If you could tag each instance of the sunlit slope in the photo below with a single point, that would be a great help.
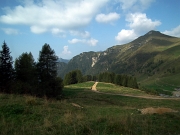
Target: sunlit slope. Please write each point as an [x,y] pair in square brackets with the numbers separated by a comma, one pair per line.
[153,55]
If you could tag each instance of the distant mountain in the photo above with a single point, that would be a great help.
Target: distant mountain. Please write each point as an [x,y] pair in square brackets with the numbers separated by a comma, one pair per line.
[136,56]
[63,60]
[83,61]
[153,54]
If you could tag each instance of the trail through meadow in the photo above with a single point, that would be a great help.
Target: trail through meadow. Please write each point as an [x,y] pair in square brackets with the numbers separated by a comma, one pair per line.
[93,88]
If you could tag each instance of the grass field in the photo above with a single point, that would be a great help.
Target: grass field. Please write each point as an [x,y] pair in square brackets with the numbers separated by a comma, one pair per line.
[164,84]
[99,114]
[112,88]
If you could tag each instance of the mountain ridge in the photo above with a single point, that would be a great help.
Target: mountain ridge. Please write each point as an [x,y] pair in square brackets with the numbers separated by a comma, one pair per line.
[145,56]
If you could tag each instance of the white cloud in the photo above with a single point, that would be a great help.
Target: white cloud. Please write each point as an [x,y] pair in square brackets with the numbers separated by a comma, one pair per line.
[138,24]
[10,31]
[91,42]
[38,29]
[124,36]
[135,5]
[107,18]
[174,32]
[75,40]
[83,34]
[47,15]
[66,50]
[127,4]
[57,31]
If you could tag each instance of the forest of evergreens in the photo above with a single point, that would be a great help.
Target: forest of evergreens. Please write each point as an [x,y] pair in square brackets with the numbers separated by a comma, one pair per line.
[76,76]
[30,77]
[40,78]
[118,79]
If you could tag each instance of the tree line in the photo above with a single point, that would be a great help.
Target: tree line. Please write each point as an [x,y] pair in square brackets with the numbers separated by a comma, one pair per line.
[76,76]
[118,79]
[30,77]
[40,78]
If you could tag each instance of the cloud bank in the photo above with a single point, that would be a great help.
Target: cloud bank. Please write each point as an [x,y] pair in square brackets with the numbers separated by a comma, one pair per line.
[135,5]
[107,18]
[174,32]
[91,42]
[10,31]
[138,24]
[53,15]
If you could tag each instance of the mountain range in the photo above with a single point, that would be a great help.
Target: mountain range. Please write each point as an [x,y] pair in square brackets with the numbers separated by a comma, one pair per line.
[63,60]
[153,55]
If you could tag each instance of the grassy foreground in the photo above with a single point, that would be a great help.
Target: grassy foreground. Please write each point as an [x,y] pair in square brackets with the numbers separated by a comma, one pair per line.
[99,114]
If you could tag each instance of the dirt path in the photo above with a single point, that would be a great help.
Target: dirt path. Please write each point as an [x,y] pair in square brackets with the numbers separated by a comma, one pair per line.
[127,95]
[94,87]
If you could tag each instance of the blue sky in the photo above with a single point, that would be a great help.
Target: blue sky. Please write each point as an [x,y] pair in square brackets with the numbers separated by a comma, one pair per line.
[71,27]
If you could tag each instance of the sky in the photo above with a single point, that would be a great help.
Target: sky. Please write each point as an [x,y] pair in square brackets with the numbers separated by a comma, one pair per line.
[71,27]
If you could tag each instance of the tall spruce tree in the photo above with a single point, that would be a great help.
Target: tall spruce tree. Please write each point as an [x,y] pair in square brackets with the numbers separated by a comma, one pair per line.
[50,85]
[25,67]
[46,65]
[6,68]
[26,73]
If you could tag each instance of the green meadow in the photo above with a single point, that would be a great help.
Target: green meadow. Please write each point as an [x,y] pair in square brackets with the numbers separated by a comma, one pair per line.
[95,113]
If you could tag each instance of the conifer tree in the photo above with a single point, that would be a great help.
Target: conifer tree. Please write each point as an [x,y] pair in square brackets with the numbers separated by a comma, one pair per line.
[118,79]
[135,85]
[47,63]
[25,67]
[6,68]
[47,72]
[79,76]
[73,77]
[124,80]
[26,73]
[68,78]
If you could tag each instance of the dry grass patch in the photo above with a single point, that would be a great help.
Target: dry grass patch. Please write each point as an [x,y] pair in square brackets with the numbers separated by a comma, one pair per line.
[30,100]
[68,117]
[76,105]
[159,110]
[47,123]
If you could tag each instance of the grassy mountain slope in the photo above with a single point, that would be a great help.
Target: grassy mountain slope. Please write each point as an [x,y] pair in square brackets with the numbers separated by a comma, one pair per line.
[151,55]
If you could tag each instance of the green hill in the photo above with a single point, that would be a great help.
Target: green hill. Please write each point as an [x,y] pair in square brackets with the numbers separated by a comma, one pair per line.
[153,55]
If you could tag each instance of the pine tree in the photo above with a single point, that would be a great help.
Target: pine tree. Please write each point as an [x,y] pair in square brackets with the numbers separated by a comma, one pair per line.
[25,67]
[79,76]
[47,72]
[73,77]
[124,80]
[68,78]
[118,80]
[47,63]
[135,84]
[26,73]
[6,68]
[130,81]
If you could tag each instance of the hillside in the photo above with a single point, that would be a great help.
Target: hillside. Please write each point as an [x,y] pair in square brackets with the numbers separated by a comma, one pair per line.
[83,61]
[153,54]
